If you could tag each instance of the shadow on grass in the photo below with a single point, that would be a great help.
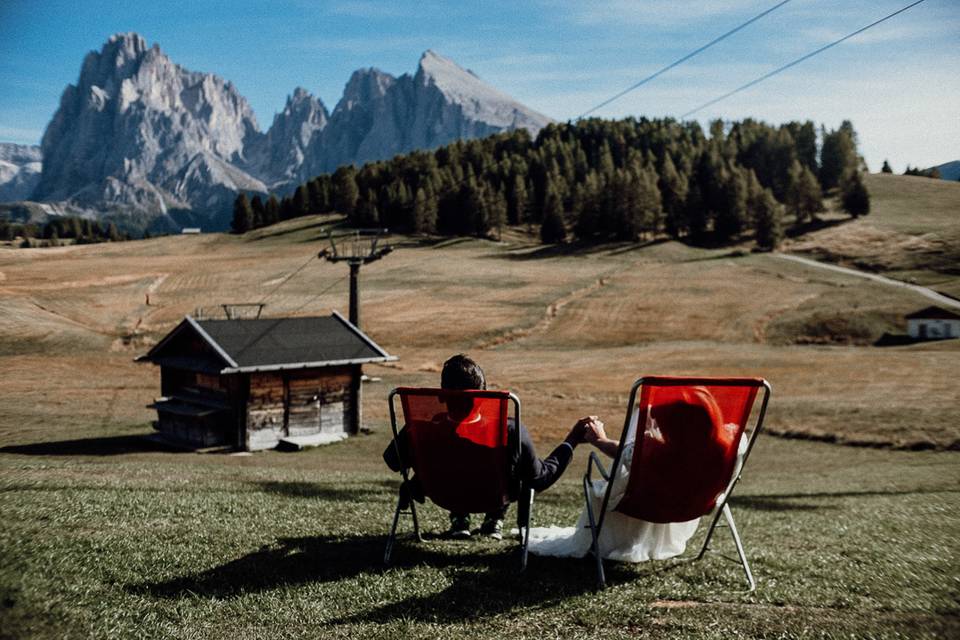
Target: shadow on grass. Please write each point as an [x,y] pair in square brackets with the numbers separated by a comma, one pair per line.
[108,446]
[483,578]
[494,586]
[816,224]
[582,248]
[335,493]
[785,502]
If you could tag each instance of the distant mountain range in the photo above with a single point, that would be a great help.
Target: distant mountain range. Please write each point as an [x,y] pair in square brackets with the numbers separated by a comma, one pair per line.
[20,167]
[142,138]
[949,170]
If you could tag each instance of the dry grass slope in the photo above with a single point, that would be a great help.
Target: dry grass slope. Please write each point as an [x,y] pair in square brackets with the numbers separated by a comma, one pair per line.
[569,331]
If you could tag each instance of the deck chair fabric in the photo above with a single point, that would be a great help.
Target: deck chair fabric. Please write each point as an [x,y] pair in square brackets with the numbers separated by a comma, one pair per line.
[456,447]
[689,438]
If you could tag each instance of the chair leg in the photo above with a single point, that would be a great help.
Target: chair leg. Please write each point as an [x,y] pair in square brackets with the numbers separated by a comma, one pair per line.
[736,539]
[527,498]
[393,533]
[713,526]
[416,524]
[601,578]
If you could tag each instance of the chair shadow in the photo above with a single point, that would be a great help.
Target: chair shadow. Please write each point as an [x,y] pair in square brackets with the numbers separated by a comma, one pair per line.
[482,581]
[106,446]
[492,585]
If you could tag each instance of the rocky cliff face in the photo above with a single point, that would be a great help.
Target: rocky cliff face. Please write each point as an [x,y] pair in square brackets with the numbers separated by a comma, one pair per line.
[380,116]
[140,134]
[278,156]
[20,167]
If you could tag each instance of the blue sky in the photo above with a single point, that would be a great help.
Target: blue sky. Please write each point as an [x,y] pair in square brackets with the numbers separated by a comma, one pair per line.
[899,82]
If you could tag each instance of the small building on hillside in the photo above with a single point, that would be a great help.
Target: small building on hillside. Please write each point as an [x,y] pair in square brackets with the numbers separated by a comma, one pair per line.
[248,383]
[933,323]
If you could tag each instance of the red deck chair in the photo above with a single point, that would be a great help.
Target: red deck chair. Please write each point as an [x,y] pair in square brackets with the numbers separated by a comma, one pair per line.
[688,432]
[457,444]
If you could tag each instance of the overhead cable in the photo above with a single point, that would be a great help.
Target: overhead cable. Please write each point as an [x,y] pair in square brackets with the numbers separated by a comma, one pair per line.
[797,61]
[682,60]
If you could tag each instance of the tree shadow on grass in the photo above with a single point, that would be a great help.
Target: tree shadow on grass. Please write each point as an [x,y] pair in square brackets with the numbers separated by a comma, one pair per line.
[786,501]
[816,224]
[339,492]
[107,446]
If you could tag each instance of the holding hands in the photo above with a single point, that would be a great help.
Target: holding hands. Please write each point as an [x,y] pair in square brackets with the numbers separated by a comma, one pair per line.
[590,429]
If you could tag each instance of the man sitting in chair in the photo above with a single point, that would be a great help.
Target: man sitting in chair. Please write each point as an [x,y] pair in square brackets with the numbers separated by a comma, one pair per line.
[462,373]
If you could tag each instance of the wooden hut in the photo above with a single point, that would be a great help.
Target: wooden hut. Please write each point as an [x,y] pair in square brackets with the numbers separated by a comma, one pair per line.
[248,383]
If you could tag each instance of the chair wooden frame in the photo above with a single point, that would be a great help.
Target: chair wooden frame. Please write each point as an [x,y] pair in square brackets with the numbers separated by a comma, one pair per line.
[596,523]
[524,494]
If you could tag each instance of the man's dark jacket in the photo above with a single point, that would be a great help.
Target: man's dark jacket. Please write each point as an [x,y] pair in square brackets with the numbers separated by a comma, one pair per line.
[535,473]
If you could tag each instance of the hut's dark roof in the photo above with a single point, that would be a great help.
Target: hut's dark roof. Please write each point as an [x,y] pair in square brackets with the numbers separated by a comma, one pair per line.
[277,343]
[933,313]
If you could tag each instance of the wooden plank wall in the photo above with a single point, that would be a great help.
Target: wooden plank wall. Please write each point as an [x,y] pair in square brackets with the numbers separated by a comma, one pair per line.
[265,412]
[302,402]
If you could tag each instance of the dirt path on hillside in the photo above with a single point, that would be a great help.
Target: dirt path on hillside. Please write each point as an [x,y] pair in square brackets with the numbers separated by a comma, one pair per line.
[550,313]
[924,291]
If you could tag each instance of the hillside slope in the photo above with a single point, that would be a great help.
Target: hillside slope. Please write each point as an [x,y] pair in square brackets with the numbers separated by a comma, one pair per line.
[568,331]
[912,233]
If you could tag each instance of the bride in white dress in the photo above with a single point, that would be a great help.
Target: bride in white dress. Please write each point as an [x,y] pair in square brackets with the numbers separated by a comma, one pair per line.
[622,538]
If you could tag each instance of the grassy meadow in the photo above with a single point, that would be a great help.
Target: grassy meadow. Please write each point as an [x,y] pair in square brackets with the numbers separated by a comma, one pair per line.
[105,534]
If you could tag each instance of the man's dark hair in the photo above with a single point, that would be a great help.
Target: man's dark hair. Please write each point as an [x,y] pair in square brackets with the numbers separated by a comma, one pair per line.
[460,372]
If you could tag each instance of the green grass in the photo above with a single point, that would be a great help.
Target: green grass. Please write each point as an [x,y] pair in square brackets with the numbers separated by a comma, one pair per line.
[843,541]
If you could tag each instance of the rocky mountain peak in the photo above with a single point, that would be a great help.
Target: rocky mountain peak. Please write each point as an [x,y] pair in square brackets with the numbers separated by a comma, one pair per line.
[478,100]
[139,134]
[364,87]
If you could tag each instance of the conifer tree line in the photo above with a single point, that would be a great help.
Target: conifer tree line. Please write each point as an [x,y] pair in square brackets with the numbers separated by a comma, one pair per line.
[51,233]
[596,180]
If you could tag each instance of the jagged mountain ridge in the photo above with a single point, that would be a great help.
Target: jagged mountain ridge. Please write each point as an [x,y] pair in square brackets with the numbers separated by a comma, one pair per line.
[20,167]
[141,134]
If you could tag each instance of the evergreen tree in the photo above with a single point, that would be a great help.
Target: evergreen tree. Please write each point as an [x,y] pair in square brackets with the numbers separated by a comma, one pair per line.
[769,227]
[803,193]
[259,213]
[366,212]
[552,229]
[498,211]
[242,214]
[517,201]
[271,211]
[673,191]
[424,212]
[695,211]
[886,167]
[731,216]
[301,202]
[345,190]
[286,209]
[649,202]
[838,156]
[805,139]
[586,223]
[855,199]
[113,234]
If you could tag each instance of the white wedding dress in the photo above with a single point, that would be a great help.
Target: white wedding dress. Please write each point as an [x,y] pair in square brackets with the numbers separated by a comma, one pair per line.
[622,538]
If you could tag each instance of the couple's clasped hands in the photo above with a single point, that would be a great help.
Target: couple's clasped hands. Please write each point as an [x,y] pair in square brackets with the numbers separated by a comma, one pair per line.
[590,429]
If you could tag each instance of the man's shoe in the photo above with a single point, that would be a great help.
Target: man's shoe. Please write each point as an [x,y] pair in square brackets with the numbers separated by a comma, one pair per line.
[492,528]
[459,527]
